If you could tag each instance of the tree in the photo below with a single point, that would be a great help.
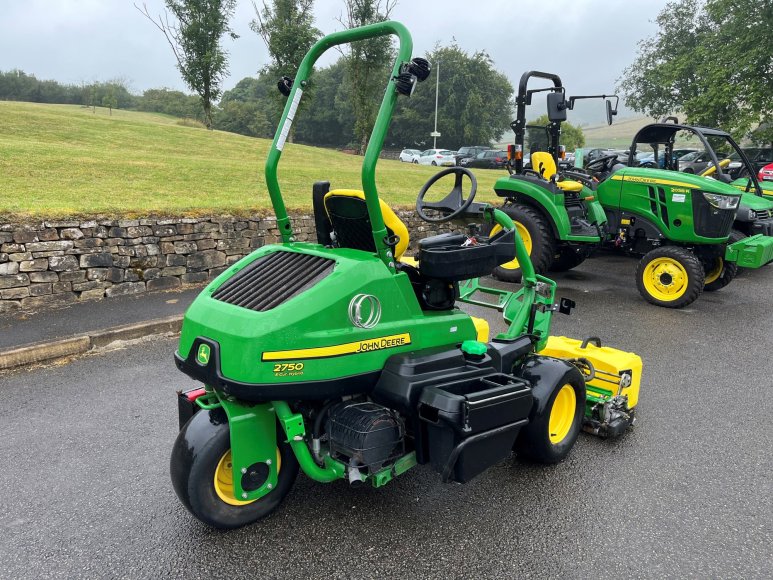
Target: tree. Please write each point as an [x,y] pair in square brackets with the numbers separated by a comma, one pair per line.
[195,37]
[710,61]
[474,103]
[571,137]
[367,64]
[109,100]
[287,28]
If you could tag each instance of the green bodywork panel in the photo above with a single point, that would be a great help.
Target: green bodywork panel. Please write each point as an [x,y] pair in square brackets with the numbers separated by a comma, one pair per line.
[662,197]
[744,184]
[552,204]
[755,202]
[318,318]
[752,252]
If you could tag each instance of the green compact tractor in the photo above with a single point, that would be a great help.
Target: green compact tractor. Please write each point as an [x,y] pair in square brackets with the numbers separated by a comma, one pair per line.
[347,361]
[755,210]
[679,226]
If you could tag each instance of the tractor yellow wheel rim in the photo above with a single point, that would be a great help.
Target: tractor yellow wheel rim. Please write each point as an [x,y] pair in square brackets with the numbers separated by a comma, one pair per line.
[562,414]
[525,237]
[665,279]
[713,275]
[224,479]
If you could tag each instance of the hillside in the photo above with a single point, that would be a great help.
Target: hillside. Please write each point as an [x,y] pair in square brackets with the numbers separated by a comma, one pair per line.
[616,136]
[61,160]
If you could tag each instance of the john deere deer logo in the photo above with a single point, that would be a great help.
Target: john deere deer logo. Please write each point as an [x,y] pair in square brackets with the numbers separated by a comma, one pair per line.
[203,355]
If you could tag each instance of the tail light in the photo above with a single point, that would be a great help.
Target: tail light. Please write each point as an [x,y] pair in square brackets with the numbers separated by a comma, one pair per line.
[562,151]
[438,157]
[518,154]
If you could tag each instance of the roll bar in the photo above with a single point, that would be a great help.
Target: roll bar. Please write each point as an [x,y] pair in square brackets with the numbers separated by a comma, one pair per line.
[377,137]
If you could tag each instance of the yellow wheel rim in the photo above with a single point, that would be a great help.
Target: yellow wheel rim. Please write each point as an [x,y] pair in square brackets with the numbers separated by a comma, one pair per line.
[224,479]
[562,414]
[713,275]
[525,237]
[665,279]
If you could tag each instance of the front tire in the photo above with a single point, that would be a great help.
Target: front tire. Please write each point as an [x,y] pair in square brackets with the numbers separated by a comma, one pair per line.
[670,276]
[720,273]
[201,476]
[535,232]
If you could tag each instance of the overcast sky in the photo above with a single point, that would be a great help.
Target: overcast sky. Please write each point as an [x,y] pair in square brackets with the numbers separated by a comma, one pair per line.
[587,42]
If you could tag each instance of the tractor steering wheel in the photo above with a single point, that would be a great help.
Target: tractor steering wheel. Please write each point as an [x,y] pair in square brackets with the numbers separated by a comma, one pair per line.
[602,164]
[453,204]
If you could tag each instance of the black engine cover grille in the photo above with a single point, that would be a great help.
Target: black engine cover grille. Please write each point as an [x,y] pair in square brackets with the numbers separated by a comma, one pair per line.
[273,279]
[711,222]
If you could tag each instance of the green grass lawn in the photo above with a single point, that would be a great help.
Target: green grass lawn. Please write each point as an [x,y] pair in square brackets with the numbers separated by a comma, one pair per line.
[65,160]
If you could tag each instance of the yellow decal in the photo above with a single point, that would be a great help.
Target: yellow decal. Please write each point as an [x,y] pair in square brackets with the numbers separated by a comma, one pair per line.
[625,222]
[369,345]
[651,180]
[288,369]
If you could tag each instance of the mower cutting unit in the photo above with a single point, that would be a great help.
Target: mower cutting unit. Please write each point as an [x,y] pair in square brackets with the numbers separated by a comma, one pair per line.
[678,225]
[342,360]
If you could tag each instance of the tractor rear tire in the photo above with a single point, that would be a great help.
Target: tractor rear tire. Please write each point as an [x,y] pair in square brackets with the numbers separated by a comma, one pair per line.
[528,222]
[670,276]
[566,258]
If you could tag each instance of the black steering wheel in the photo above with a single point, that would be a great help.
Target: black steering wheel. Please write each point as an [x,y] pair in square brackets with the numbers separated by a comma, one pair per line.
[601,164]
[453,204]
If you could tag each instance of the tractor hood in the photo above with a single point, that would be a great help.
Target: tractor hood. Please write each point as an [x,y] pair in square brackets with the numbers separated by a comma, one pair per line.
[303,320]
[673,179]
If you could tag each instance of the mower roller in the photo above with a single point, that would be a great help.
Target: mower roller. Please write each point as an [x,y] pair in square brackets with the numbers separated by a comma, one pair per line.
[346,360]
[679,226]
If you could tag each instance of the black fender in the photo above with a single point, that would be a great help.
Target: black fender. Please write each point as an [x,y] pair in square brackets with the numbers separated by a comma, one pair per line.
[195,435]
[544,373]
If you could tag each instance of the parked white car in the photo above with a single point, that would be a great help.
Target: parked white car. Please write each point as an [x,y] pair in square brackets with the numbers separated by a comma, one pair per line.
[437,157]
[410,155]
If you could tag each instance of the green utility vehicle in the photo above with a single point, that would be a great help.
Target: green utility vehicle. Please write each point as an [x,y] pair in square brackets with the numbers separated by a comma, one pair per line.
[755,210]
[678,226]
[341,360]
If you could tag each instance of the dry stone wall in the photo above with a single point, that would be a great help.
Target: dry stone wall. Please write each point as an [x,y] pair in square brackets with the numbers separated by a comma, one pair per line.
[56,263]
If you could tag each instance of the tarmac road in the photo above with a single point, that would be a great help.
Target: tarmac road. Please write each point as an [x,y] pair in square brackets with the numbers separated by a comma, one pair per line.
[85,490]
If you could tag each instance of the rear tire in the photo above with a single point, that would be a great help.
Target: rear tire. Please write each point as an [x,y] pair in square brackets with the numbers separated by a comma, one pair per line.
[566,258]
[201,447]
[550,436]
[670,276]
[540,245]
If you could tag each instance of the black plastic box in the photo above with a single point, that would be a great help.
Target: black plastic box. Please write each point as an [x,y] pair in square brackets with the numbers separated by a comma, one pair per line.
[472,424]
[445,257]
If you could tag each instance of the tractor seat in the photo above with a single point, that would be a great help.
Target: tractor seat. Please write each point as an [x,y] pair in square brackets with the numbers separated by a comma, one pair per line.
[544,164]
[348,214]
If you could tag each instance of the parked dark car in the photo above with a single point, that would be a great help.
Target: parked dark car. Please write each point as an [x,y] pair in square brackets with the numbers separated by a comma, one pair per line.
[758,156]
[696,162]
[469,152]
[491,159]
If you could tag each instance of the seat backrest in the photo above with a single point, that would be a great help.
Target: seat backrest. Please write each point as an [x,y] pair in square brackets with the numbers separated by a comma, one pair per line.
[348,214]
[544,164]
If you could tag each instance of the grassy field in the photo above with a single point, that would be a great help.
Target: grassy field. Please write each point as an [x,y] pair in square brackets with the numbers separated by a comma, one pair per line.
[64,160]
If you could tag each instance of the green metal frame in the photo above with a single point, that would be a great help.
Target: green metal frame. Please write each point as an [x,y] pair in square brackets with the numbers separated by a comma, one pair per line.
[377,136]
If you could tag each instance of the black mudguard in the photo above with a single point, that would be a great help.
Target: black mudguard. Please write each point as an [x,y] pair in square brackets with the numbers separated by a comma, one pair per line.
[544,373]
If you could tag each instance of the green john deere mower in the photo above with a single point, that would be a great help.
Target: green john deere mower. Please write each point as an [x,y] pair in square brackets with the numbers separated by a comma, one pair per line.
[349,362]
[677,225]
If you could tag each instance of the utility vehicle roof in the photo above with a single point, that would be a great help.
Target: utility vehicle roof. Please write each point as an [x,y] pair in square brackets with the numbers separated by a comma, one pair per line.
[663,132]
